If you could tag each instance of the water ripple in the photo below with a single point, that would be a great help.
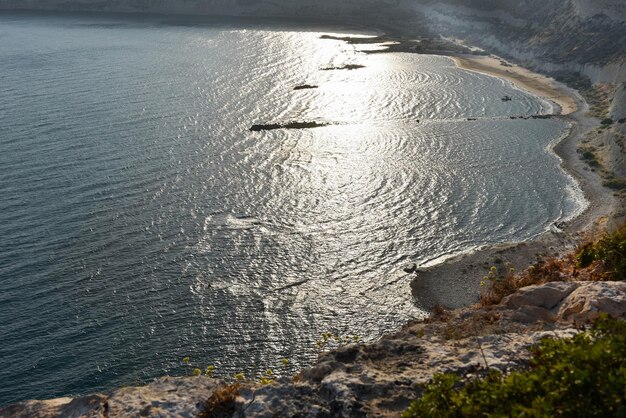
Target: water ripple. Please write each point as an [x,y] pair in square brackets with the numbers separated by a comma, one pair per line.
[142,222]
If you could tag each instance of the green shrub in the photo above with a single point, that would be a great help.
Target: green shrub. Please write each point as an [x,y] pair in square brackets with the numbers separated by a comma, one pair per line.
[615,183]
[588,154]
[580,377]
[585,256]
[606,121]
[610,250]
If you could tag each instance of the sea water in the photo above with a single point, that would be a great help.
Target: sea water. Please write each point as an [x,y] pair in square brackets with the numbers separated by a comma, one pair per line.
[142,222]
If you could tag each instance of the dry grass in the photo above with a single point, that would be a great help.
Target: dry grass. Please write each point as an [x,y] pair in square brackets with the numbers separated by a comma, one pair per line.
[471,322]
[221,404]
[480,322]
[597,259]
[440,313]
[499,285]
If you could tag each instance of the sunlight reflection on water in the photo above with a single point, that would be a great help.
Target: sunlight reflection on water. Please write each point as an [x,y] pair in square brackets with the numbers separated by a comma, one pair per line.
[144,221]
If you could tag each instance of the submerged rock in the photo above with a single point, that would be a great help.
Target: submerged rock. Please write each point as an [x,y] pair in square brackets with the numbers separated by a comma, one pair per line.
[290,125]
[344,67]
[410,268]
[305,87]
[267,127]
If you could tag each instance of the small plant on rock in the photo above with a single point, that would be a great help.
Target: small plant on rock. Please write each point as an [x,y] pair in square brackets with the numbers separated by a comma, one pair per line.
[330,341]
[497,284]
[221,404]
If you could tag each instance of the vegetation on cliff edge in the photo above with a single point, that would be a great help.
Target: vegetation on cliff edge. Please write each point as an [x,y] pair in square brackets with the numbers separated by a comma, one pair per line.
[602,259]
[580,377]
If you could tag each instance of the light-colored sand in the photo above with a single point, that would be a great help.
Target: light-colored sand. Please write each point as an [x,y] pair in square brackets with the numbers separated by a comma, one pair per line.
[523,78]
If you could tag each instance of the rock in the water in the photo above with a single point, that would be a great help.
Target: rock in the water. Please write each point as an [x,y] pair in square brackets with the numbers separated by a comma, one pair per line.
[289,125]
[410,268]
[265,127]
[344,67]
[305,87]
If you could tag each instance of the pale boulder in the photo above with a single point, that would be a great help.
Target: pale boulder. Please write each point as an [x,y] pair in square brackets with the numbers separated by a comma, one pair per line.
[545,296]
[591,299]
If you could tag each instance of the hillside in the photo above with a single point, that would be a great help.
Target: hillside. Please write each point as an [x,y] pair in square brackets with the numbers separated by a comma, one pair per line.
[581,36]
[349,11]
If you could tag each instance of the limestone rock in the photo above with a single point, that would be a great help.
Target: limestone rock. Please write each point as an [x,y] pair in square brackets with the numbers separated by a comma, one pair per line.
[567,301]
[374,379]
[530,314]
[91,406]
[545,296]
[592,298]
[165,397]
[384,377]
[284,399]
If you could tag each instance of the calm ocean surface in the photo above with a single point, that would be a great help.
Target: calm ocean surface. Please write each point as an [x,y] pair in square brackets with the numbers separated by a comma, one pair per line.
[141,222]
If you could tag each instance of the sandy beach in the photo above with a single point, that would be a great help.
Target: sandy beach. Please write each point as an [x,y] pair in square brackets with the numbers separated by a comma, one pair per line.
[432,285]
[522,78]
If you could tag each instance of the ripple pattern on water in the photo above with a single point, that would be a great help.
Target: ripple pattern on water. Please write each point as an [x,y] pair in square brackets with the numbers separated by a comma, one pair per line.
[141,222]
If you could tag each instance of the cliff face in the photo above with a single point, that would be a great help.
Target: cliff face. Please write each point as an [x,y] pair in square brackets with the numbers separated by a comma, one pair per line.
[583,36]
[379,379]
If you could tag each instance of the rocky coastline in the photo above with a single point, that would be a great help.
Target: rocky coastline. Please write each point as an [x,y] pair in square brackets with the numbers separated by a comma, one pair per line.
[382,378]
[379,379]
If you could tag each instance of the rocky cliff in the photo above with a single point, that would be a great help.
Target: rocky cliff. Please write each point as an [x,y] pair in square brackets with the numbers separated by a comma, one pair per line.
[551,35]
[379,379]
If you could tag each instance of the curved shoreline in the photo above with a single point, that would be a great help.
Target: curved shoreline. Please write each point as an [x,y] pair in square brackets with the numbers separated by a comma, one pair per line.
[523,78]
[463,272]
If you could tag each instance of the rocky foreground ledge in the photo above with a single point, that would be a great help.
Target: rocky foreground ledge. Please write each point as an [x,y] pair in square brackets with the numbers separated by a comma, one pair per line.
[379,379]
